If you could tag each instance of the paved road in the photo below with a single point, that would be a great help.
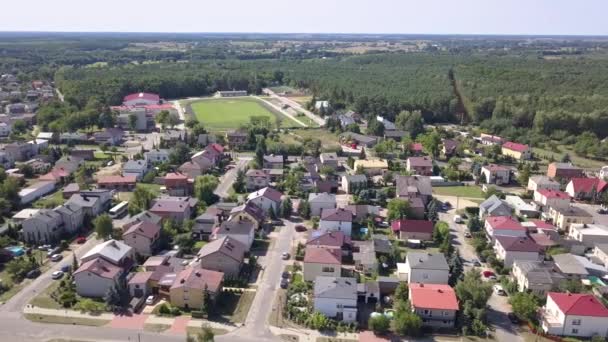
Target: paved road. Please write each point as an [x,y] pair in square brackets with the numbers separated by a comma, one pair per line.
[229,177]
[282,111]
[18,301]
[256,324]
[319,120]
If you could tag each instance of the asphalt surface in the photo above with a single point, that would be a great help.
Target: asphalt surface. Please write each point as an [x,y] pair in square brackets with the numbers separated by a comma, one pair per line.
[319,120]
[230,176]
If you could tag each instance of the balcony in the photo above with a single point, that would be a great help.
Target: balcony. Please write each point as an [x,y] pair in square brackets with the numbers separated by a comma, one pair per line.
[550,323]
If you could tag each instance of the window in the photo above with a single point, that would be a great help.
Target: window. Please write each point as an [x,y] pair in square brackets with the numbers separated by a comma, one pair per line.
[425,276]
[575,331]
[445,313]
[576,322]
[328,269]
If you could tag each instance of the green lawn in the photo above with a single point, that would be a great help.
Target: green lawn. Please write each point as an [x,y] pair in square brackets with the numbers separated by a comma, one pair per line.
[585,163]
[66,320]
[51,201]
[227,114]
[462,191]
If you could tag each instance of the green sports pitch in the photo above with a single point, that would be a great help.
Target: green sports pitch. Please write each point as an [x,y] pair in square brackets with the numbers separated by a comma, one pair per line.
[230,113]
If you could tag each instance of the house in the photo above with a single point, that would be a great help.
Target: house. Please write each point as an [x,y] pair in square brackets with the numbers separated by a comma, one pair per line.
[204,224]
[428,268]
[249,212]
[564,217]
[140,119]
[320,201]
[600,251]
[56,175]
[144,216]
[188,289]
[256,179]
[191,169]
[414,187]
[538,277]
[240,230]
[5,129]
[496,174]
[142,237]
[436,304]
[92,202]
[574,314]
[336,220]
[223,255]
[73,137]
[19,151]
[336,297]
[95,277]
[141,99]
[118,183]
[266,199]
[321,261]
[331,240]
[422,166]
[275,175]
[504,226]
[328,185]
[350,138]
[586,188]
[570,266]
[510,248]
[319,105]
[273,162]
[115,252]
[174,208]
[362,212]
[371,167]
[516,151]
[588,234]
[24,214]
[388,125]
[35,191]
[413,229]
[552,198]
[205,160]
[236,139]
[43,227]
[494,206]
[137,168]
[536,183]
[139,284]
[345,120]
[231,93]
[157,156]
[416,149]
[364,256]
[564,171]
[72,217]
[204,139]
[38,165]
[521,207]
[449,147]
[109,136]
[178,184]
[329,160]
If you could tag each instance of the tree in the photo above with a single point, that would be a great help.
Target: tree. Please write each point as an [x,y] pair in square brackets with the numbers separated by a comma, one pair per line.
[141,200]
[74,263]
[379,324]
[304,209]
[350,162]
[472,288]
[207,335]
[162,118]
[524,305]
[133,122]
[26,170]
[19,127]
[456,268]
[524,175]
[407,323]
[402,291]
[239,183]
[410,122]
[361,155]
[185,242]
[375,127]
[204,187]
[441,231]
[398,209]
[431,142]
[433,211]
[103,226]
[474,224]
[286,208]
[570,285]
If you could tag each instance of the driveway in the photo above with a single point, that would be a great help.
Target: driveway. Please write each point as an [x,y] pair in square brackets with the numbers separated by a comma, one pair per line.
[229,177]
[319,120]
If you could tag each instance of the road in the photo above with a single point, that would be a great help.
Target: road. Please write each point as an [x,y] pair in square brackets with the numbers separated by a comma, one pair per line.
[19,300]
[229,177]
[181,114]
[319,120]
[282,111]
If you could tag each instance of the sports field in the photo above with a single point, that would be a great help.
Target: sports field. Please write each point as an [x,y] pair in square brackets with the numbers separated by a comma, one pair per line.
[227,114]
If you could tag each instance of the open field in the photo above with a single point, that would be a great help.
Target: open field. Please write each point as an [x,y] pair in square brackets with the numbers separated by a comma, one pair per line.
[462,191]
[226,114]
[328,139]
[585,163]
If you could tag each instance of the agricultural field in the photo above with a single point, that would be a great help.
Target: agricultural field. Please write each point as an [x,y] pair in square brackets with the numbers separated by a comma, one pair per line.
[227,114]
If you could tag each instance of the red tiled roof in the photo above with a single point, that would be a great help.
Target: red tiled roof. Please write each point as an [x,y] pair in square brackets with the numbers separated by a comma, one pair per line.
[140,277]
[170,204]
[578,304]
[176,176]
[553,193]
[330,239]
[504,223]
[322,255]
[433,296]
[55,174]
[414,226]
[416,147]
[494,167]
[588,184]
[339,214]
[143,96]
[99,267]
[517,244]
[515,146]
[116,179]
[198,278]
[144,228]
[217,147]
[420,161]
[540,224]
[542,240]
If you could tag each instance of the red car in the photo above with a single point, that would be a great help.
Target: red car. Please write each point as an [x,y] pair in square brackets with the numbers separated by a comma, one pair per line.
[488,275]
[81,239]
[300,228]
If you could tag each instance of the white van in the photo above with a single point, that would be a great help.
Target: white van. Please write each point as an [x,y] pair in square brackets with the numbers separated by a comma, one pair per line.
[457,219]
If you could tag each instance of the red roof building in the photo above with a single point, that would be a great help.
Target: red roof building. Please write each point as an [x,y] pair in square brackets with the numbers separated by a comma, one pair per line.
[416,148]
[323,255]
[515,146]
[413,229]
[585,188]
[578,304]
[436,304]
[553,193]
[504,225]
[120,183]
[330,239]
[141,99]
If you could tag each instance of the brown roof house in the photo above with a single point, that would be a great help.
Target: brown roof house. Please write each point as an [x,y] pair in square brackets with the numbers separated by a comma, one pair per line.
[322,262]
[223,255]
[339,219]
[422,166]
[565,171]
[174,208]
[414,186]
[266,198]
[249,212]
[331,240]
[143,237]
[95,277]
[188,289]
[413,229]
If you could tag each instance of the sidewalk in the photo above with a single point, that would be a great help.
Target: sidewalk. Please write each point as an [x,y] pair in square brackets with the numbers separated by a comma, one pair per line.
[307,335]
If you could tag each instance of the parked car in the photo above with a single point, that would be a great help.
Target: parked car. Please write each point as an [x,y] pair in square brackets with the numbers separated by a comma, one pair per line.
[53,251]
[81,239]
[489,275]
[33,273]
[56,257]
[66,268]
[57,275]
[284,283]
[467,234]
[476,263]
[499,290]
[285,256]
[285,275]
[150,300]
[110,163]
[513,318]
[457,219]
[300,228]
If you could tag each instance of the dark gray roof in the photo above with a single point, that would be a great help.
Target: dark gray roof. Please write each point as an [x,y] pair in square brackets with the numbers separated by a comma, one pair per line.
[422,184]
[495,206]
[429,261]
[237,227]
[321,197]
[356,178]
[568,264]
[335,287]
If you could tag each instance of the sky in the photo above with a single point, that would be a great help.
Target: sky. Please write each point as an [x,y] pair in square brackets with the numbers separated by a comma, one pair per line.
[530,17]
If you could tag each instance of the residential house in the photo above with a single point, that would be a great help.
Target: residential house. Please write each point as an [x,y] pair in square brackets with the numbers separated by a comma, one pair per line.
[320,201]
[43,227]
[413,229]
[388,125]
[536,183]
[141,99]
[336,297]
[336,220]
[396,135]
[266,199]
[417,208]
[109,136]
[504,226]
[240,230]
[331,240]
[157,156]
[449,147]
[139,284]
[416,149]
[249,212]
[5,129]
[95,277]
[188,290]
[521,207]
[223,255]
[171,137]
[510,248]
[345,120]
[72,217]
[113,251]
[600,251]
[570,266]
[355,139]
[118,183]
[19,151]
[322,261]
[574,314]
[428,268]
[361,212]
[93,202]
[177,209]
[73,137]
[494,206]
[142,237]
[256,179]
[24,214]
[204,224]
[364,256]
[496,174]
[273,162]
[538,277]
[414,187]
[436,304]
[56,175]
[191,169]
[205,159]
[588,234]
[516,151]
[178,184]
[371,167]
[144,216]
[236,139]
[329,160]
[586,188]
[35,191]
[564,217]
[422,166]
[124,117]
[137,168]
[552,198]
[564,171]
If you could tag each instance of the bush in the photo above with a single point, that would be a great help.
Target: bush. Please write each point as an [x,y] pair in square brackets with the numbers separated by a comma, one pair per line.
[198,314]
[379,324]
[164,310]
[175,311]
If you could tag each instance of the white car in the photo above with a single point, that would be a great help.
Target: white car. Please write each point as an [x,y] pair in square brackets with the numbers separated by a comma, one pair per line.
[499,290]
[56,257]
[150,300]
[57,275]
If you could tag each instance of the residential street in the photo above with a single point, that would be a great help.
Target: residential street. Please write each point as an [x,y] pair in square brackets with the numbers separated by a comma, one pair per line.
[229,177]
[319,120]
[284,112]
